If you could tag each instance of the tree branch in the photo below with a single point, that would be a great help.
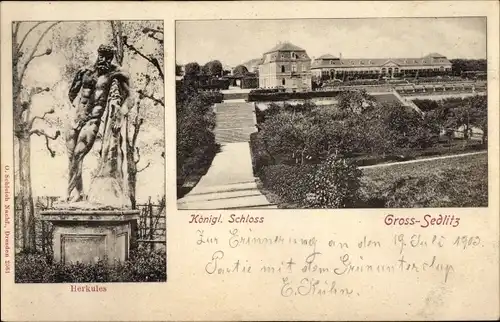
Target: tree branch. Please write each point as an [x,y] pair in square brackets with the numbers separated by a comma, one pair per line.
[151,97]
[51,111]
[47,137]
[150,59]
[153,30]
[32,55]
[29,31]
[147,165]
[15,27]
[137,126]
[26,104]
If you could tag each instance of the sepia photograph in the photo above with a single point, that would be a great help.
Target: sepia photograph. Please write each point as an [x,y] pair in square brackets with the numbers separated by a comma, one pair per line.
[89,142]
[332,113]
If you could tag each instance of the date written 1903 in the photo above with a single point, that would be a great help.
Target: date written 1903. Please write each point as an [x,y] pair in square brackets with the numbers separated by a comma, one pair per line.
[314,287]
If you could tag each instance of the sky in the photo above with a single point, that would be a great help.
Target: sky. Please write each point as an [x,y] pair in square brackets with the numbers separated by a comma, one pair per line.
[237,41]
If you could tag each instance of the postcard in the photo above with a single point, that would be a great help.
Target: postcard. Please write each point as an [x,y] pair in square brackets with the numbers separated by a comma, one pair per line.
[226,161]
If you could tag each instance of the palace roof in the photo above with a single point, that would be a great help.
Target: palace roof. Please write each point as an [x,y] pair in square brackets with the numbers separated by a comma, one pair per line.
[380,62]
[327,56]
[285,46]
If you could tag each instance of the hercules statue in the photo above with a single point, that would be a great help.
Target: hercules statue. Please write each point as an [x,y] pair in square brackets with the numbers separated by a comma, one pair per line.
[94,86]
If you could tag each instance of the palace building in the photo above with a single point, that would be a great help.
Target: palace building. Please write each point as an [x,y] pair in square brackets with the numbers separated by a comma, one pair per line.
[285,65]
[331,67]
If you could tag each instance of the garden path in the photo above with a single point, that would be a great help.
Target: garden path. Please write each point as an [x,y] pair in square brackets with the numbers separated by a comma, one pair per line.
[229,182]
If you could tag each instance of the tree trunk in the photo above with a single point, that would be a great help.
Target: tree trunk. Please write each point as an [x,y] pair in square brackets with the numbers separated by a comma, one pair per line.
[131,168]
[27,215]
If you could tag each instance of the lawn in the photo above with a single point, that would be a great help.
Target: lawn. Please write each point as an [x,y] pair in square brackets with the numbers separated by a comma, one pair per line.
[453,182]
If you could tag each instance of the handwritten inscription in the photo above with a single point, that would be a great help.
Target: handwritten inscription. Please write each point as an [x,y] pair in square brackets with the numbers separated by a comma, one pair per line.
[320,267]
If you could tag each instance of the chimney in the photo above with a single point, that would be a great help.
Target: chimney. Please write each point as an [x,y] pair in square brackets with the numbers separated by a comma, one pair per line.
[340,55]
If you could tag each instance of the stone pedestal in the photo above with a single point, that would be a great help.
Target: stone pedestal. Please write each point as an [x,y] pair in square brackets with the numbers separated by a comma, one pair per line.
[87,236]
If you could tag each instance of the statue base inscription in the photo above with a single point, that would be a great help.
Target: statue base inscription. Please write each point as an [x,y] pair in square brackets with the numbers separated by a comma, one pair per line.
[88,236]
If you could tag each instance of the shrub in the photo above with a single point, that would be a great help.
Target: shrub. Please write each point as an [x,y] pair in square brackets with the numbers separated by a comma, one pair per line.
[290,183]
[334,184]
[249,82]
[142,266]
[331,184]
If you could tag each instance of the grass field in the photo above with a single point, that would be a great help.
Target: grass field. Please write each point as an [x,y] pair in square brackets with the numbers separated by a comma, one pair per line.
[454,182]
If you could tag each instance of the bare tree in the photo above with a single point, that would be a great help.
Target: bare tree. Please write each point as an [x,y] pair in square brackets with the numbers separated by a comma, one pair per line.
[22,58]
[133,124]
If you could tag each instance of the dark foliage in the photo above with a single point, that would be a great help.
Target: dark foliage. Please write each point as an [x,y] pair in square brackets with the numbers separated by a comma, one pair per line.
[143,266]
[196,145]
[334,183]
[249,82]
[459,66]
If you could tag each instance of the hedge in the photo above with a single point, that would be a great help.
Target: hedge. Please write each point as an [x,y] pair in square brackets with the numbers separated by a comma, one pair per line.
[260,156]
[249,82]
[214,97]
[283,96]
[266,90]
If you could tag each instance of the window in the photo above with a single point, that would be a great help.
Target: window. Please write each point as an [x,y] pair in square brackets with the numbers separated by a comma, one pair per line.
[361,62]
[282,56]
[294,56]
[294,68]
[283,81]
[282,68]
[304,68]
[331,62]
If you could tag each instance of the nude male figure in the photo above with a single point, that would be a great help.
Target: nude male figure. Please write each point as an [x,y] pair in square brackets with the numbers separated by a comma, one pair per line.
[94,84]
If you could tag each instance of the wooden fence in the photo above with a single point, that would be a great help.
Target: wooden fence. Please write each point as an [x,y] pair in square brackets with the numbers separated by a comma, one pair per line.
[151,227]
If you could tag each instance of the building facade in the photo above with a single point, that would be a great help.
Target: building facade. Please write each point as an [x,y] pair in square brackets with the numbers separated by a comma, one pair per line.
[331,67]
[287,66]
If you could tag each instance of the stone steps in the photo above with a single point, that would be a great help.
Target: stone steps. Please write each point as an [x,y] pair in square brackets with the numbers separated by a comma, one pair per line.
[233,135]
[228,184]
[235,122]
[239,186]
[252,201]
